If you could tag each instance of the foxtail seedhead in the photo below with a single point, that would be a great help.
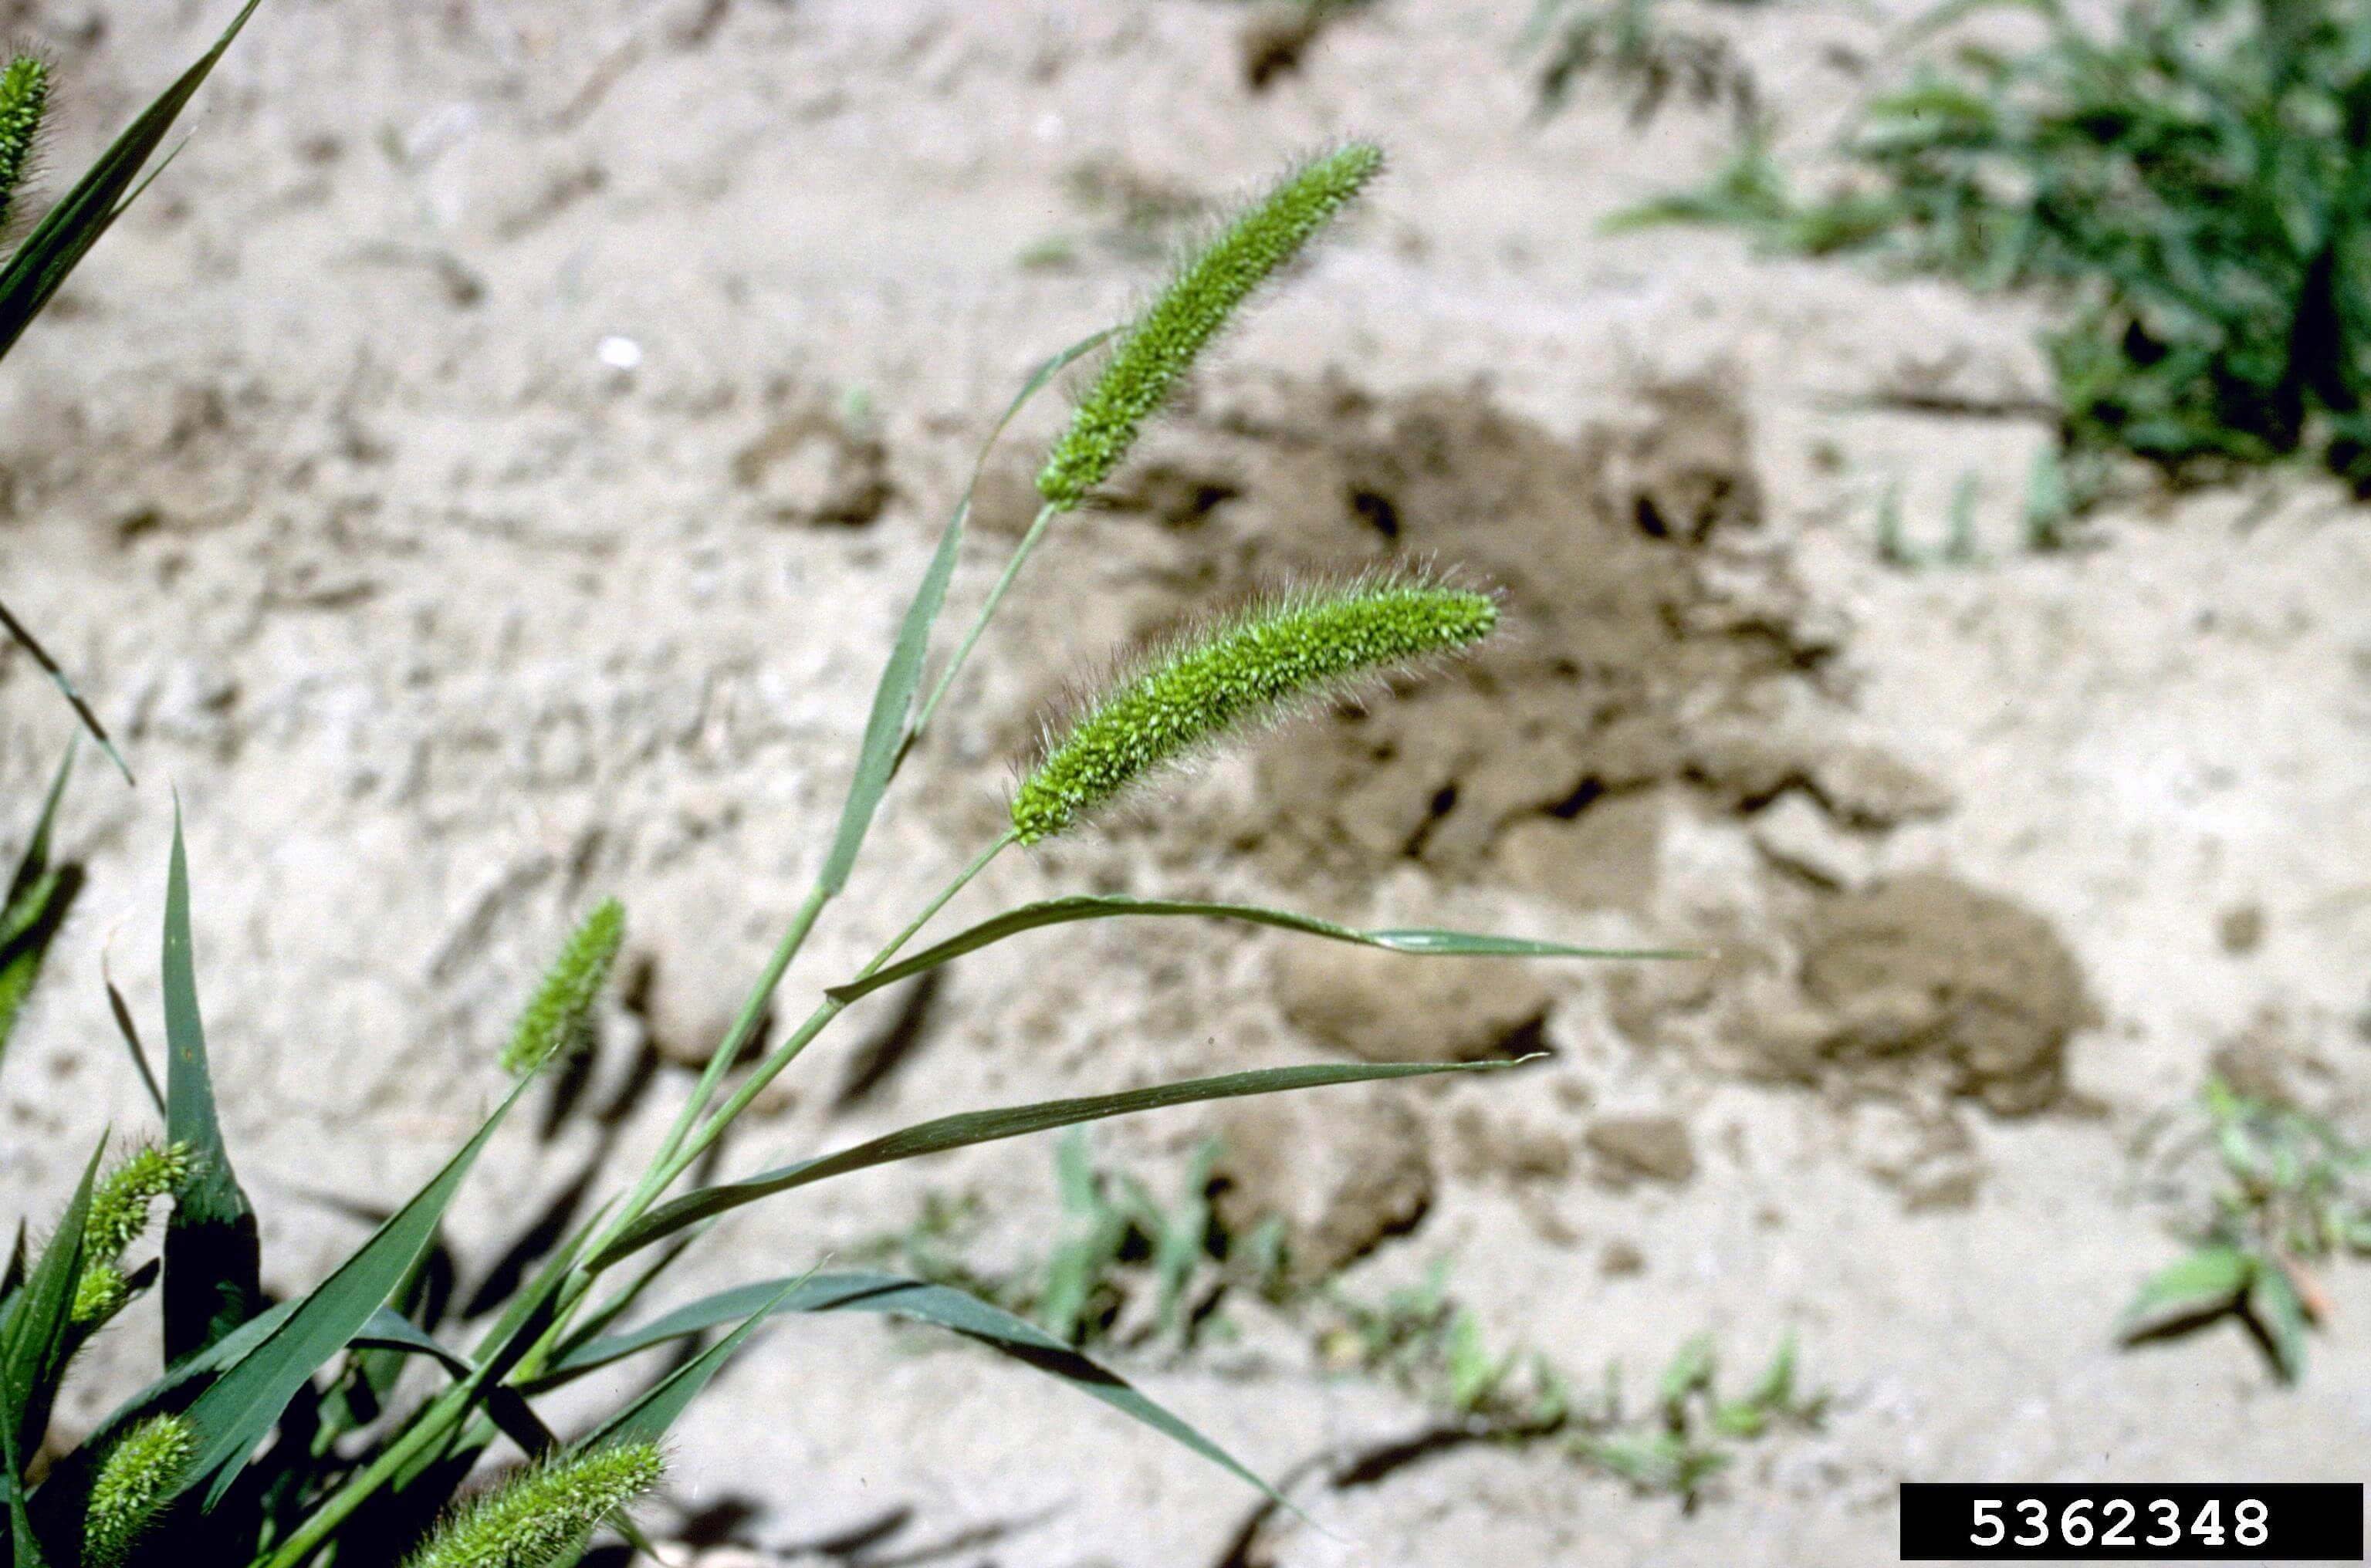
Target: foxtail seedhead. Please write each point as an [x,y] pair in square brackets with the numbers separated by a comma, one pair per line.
[120,1201]
[1156,352]
[24,102]
[555,1017]
[543,1515]
[1257,667]
[141,1472]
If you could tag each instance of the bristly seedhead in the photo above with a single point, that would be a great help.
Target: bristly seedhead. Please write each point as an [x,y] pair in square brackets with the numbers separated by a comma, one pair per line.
[120,1201]
[555,1019]
[139,1475]
[543,1515]
[1159,347]
[24,102]
[1257,667]
[99,1293]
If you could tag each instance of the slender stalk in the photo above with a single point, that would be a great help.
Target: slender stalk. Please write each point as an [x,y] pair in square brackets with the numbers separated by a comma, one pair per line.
[433,1423]
[753,1011]
[1020,554]
[788,1052]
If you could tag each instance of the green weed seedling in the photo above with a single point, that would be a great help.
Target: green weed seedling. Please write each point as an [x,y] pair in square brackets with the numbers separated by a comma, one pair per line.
[2190,184]
[1124,1259]
[2294,1193]
[1634,48]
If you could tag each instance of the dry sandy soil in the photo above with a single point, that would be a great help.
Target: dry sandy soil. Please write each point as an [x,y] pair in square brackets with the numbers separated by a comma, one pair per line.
[441,620]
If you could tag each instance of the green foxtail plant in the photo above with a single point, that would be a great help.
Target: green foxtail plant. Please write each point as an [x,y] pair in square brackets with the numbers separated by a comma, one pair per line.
[296,1436]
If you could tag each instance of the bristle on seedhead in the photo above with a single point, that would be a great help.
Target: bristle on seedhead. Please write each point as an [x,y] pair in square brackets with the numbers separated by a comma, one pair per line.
[543,1515]
[24,105]
[1256,667]
[142,1470]
[1157,350]
[555,1019]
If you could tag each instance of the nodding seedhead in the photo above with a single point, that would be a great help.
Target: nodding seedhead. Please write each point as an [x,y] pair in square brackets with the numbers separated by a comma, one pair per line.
[1257,667]
[1160,346]
[119,1205]
[543,1515]
[141,1472]
[555,1017]
[24,103]
[120,1201]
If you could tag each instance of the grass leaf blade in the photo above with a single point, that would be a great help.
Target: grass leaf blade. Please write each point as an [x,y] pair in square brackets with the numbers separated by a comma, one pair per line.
[895,1296]
[212,1260]
[233,1415]
[893,699]
[51,668]
[1096,906]
[648,1418]
[64,237]
[41,1318]
[987,1126]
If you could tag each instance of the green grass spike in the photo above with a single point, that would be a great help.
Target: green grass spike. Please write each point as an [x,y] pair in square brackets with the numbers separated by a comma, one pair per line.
[139,1475]
[544,1515]
[24,103]
[1259,667]
[120,1201]
[1157,351]
[555,1019]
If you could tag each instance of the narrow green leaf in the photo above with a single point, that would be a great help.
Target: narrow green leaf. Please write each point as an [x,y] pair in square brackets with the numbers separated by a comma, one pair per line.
[27,926]
[213,1262]
[36,1338]
[64,237]
[893,699]
[26,1553]
[894,1296]
[2276,1309]
[2208,1281]
[233,1415]
[34,864]
[128,1032]
[1776,1388]
[647,1419]
[986,1126]
[51,668]
[388,1329]
[1085,906]
[39,897]
[1690,1368]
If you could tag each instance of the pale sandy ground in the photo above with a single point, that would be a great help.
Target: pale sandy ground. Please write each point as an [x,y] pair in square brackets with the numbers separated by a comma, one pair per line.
[439,626]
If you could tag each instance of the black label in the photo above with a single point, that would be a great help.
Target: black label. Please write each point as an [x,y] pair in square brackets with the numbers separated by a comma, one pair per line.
[2278,1521]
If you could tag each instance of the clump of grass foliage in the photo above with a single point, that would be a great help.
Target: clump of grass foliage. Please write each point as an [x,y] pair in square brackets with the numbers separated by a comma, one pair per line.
[1129,1270]
[2190,183]
[1635,48]
[277,1434]
[2294,1193]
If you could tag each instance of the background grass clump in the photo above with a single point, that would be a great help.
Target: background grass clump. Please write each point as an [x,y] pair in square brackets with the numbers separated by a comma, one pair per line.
[2190,184]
